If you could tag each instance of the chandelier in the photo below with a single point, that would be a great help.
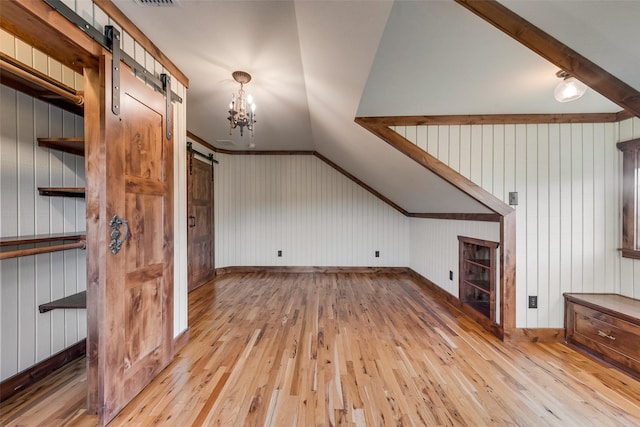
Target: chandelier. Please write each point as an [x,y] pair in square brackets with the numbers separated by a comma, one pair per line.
[239,114]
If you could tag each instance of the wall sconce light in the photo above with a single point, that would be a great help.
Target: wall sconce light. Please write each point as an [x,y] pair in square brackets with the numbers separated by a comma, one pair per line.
[569,89]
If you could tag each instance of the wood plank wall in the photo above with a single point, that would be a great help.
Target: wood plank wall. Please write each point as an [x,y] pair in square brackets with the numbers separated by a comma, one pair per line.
[26,282]
[568,178]
[304,207]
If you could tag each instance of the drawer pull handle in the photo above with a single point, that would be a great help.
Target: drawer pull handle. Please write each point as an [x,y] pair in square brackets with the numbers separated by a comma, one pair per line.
[605,335]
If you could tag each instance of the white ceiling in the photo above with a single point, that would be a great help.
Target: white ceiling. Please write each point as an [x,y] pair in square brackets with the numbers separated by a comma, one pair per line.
[318,64]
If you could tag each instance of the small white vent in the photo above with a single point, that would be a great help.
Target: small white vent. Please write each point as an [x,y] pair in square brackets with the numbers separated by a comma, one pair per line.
[226,142]
[159,3]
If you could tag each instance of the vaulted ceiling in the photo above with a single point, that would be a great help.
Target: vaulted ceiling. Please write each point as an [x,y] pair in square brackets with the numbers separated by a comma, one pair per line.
[316,65]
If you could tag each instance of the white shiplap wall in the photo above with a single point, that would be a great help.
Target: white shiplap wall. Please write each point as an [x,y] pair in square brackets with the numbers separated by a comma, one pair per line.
[568,218]
[27,336]
[307,209]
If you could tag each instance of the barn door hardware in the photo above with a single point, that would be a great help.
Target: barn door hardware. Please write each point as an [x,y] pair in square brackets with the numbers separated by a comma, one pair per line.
[116,243]
[112,36]
[166,86]
[192,151]
[192,221]
[108,41]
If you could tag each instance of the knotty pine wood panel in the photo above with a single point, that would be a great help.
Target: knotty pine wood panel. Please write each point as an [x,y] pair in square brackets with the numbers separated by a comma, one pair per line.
[28,336]
[347,349]
[567,220]
[304,207]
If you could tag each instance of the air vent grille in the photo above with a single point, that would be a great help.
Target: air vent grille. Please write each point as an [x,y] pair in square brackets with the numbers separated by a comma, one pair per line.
[159,3]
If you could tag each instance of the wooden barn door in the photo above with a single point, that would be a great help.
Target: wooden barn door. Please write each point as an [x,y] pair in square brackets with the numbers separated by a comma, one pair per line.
[130,286]
[200,226]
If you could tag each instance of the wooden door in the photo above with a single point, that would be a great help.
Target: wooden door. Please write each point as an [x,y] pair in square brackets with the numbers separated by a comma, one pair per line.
[129,293]
[200,224]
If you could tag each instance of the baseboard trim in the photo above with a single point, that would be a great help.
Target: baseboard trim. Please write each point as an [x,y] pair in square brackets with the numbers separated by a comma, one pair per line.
[29,376]
[180,341]
[454,302]
[522,335]
[308,269]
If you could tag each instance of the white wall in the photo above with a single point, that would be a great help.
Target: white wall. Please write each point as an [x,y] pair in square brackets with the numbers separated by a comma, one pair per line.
[568,218]
[307,209]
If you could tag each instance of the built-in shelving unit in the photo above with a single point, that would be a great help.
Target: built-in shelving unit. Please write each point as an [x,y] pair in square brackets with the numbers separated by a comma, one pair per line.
[478,275]
[32,82]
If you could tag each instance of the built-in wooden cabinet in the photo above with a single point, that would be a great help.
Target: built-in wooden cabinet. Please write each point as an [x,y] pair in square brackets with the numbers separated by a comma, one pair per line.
[477,273]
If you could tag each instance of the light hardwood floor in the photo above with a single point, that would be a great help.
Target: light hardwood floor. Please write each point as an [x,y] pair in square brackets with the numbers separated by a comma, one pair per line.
[346,349]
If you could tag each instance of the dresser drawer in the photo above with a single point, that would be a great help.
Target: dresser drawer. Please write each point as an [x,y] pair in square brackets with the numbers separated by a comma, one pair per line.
[603,333]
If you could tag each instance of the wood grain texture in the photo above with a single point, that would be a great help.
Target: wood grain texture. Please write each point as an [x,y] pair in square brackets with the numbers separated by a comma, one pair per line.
[347,349]
[200,224]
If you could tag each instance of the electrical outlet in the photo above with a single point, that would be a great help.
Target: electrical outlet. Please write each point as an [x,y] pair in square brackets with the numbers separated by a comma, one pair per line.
[279,253]
[513,198]
[450,275]
[377,254]
[533,301]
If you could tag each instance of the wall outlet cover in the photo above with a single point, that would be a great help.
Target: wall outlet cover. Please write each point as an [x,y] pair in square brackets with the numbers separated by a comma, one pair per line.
[533,301]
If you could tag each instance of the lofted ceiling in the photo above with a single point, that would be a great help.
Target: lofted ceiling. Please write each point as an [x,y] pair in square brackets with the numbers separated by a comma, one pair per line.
[317,64]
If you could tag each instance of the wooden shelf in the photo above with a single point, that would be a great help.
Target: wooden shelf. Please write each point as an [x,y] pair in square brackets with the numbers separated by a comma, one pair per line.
[25,79]
[67,145]
[78,300]
[484,263]
[481,285]
[62,191]
[40,238]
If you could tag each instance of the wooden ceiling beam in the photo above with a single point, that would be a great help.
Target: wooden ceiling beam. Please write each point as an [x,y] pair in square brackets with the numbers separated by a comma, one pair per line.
[556,52]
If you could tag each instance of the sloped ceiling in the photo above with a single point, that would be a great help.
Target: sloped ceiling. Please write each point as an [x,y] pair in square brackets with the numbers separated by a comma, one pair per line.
[316,65]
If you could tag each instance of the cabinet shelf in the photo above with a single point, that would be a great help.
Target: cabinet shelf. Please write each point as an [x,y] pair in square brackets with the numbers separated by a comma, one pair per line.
[483,263]
[67,145]
[481,285]
[78,300]
[62,191]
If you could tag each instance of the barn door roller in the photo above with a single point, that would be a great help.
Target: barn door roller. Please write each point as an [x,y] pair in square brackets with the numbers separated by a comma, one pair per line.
[192,151]
[111,41]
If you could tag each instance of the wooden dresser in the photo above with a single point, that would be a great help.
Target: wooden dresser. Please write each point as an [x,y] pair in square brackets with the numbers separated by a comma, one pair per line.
[607,326]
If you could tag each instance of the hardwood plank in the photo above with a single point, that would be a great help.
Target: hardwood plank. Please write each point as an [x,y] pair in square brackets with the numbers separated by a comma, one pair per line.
[348,349]
[67,145]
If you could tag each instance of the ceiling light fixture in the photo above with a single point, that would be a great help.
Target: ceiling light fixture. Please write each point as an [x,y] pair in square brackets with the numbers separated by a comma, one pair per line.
[239,115]
[569,89]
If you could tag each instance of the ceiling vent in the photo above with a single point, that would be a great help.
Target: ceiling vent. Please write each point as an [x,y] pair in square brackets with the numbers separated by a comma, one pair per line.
[159,3]
[226,142]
